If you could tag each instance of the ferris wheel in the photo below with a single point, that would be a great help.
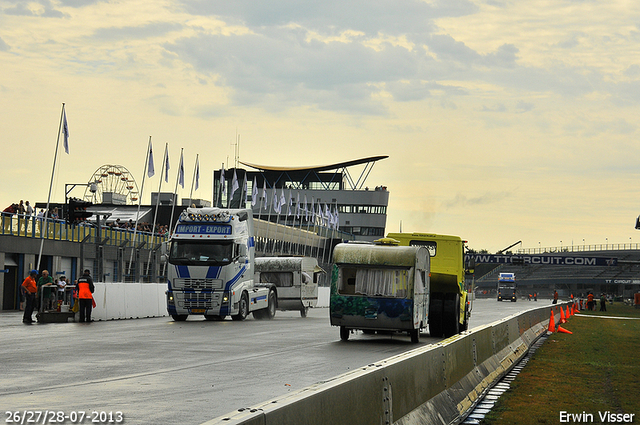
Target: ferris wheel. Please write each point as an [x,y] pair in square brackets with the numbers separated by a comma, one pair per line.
[112,184]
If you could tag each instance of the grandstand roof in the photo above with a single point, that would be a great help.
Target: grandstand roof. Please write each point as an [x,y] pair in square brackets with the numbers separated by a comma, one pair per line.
[317,167]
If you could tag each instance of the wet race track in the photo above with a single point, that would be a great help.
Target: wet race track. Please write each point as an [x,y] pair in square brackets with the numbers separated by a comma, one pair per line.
[160,371]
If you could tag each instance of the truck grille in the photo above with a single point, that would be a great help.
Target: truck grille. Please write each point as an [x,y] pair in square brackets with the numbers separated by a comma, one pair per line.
[198,301]
[197,284]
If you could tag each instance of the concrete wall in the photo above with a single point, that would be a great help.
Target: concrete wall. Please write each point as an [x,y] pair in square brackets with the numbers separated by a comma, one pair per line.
[436,384]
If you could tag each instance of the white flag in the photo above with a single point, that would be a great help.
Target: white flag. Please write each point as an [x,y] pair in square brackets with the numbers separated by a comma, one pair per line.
[181,172]
[234,183]
[65,131]
[283,200]
[264,194]
[298,206]
[254,193]
[166,167]
[312,210]
[246,191]
[222,178]
[306,210]
[275,203]
[289,204]
[150,168]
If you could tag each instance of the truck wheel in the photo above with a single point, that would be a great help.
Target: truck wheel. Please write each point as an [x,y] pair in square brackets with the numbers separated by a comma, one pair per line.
[435,314]
[270,311]
[451,315]
[243,308]
[344,333]
[304,311]
[415,335]
[179,317]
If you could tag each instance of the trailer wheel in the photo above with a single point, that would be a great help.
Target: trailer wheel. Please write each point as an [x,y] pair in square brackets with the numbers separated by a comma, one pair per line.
[415,335]
[304,311]
[435,314]
[179,317]
[451,315]
[244,308]
[344,333]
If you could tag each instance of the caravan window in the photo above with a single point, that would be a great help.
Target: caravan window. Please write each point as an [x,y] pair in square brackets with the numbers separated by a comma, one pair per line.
[280,279]
[374,282]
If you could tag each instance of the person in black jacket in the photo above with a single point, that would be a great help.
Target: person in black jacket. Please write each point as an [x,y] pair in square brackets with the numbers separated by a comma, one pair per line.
[85,296]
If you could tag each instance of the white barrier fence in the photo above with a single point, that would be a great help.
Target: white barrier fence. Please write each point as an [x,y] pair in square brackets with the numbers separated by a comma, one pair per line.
[129,300]
[137,300]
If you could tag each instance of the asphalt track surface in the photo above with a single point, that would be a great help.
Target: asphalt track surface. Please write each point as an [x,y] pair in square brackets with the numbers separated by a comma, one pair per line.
[157,371]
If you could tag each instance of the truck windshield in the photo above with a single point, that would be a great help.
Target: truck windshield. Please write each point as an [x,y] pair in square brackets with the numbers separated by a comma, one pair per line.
[201,253]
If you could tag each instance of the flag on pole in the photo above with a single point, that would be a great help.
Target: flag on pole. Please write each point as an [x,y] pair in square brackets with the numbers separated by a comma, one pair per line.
[234,183]
[197,173]
[246,191]
[222,181]
[275,203]
[289,204]
[283,200]
[166,167]
[181,172]
[298,206]
[150,168]
[306,210]
[264,194]
[254,193]
[312,211]
[65,131]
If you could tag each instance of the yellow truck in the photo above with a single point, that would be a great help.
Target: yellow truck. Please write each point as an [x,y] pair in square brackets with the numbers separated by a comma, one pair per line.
[449,297]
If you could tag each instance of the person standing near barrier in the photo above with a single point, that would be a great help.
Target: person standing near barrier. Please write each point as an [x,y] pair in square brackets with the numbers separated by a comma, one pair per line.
[30,289]
[85,296]
[555,297]
[603,302]
[590,301]
[45,291]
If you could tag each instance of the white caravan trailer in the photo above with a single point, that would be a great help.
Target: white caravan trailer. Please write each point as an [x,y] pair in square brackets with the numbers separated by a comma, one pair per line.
[295,279]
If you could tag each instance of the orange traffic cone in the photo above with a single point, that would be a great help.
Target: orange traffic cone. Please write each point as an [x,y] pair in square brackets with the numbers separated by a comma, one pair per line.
[568,312]
[562,319]
[552,323]
[574,309]
[564,331]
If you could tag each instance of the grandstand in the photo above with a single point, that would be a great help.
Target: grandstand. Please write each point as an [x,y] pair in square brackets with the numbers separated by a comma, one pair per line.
[620,279]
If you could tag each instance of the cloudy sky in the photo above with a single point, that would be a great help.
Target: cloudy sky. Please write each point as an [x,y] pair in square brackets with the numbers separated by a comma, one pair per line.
[503,120]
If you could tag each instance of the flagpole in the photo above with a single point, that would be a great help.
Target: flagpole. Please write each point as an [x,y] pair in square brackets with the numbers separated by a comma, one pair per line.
[135,227]
[192,181]
[55,158]
[175,190]
[155,215]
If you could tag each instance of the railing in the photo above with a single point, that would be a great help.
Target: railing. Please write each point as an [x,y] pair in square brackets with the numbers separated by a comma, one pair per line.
[580,248]
[48,228]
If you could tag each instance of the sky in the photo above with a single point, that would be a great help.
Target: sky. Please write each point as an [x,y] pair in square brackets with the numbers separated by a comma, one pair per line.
[503,121]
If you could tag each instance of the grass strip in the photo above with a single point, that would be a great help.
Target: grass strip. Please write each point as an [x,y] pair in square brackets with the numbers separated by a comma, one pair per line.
[589,373]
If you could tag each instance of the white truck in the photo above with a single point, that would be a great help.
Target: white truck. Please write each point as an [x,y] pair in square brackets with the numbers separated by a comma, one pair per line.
[210,270]
[295,278]
[507,287]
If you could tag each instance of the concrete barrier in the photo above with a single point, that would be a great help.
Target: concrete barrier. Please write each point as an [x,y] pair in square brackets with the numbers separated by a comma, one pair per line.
[436,384]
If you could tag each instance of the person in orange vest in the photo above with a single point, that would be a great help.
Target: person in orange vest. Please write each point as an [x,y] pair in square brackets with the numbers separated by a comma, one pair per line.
[555,297]
[85,296]
[30,289]
[590,301]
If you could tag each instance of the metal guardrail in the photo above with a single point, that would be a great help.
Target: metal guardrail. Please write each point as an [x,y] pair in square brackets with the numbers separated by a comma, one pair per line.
[52,229]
